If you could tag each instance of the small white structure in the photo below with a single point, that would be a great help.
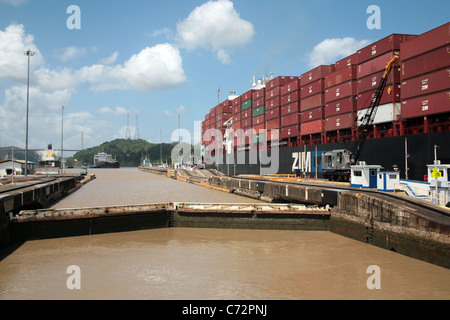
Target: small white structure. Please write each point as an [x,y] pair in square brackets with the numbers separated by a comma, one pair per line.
[439,179]
[6,167]
[388,180]
[364,176]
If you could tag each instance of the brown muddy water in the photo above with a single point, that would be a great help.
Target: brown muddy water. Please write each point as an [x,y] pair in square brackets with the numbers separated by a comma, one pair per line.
[198,264]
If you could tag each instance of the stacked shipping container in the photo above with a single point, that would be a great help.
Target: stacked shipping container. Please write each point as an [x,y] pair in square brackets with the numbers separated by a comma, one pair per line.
[340,98]
[327,99]
[274,109]
[290,109]
[372,61]
[313,99]
[425,74]
[259,114]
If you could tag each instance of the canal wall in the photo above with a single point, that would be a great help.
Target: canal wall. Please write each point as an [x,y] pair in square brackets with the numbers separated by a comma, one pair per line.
[36,193]
[412,228]
[54,223]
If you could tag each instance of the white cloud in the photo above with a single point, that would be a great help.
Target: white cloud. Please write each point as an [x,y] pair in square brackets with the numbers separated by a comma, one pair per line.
[179,111]
[72,53]
[153,69]
[118,111]
[111,59]
[215,26]
[331,50]
[15,3]
[13,64]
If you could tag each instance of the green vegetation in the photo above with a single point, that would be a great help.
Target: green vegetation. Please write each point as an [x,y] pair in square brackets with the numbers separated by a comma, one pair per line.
[130,153]
[19,154]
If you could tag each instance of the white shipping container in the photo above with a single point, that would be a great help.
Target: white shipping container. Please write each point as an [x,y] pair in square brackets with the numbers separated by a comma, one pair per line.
[385,113]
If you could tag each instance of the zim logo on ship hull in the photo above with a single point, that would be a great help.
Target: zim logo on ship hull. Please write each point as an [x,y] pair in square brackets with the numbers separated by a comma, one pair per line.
[307,162]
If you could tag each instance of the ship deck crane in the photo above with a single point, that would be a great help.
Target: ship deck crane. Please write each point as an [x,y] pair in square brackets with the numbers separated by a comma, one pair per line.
[336,163]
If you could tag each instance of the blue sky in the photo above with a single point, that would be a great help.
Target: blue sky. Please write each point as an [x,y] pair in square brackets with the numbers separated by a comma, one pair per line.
[153,60]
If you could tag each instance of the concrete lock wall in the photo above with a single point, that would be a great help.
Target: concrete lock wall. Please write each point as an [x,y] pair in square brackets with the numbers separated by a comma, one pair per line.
[368,218]
[392,227]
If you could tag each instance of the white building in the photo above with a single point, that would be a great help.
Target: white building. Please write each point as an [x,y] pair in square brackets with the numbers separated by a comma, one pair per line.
[388,181]
[6,167]
[364,176]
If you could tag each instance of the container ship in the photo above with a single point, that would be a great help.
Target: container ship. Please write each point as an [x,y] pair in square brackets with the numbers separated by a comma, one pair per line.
[49,162]
[104,160]
[289,122]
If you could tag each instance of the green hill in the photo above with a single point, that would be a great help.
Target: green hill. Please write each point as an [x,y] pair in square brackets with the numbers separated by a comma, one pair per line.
[130,153]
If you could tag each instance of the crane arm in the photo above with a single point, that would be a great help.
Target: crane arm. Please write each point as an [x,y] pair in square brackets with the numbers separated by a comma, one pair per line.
[372,110]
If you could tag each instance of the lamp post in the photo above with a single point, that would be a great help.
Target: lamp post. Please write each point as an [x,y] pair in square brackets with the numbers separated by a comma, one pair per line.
[29,54]
[62,140]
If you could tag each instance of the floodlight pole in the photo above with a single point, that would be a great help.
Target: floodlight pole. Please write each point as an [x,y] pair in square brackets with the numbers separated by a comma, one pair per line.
[29,54]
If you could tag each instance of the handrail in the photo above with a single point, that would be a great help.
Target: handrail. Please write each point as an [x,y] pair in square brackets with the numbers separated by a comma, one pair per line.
[421,193]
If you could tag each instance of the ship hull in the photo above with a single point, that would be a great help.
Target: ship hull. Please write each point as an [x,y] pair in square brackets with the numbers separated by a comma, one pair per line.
[306,160]
[106,165]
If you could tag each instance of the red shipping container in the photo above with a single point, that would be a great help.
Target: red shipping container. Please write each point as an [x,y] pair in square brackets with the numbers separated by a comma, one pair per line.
[237,117]
[346,62]
[312,127]
[427,41]
[313,88]
[294,96]
[248,95]
[428,62]
[312,114]
[259,119]
[376,65]
[237,109]
[290,132]
[339,122]
[426,84]
[272,93]
[256,94]
[372,81]
[341,91]
[279,81]
[290,108]
[340,76]
[312,102]
[273,124]
[317,73]
[236,101]
[390,43]
[346,105]
[273,113]
[291,86]
[258,102]
[236,125]
[365,98]
[259,127]
[426,105]
[225,105]
[290,119]
[273,103]
[246,122]
[246,114]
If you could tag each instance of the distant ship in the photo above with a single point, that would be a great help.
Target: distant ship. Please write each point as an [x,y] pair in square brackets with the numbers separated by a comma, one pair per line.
[104,160]
[49,162]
